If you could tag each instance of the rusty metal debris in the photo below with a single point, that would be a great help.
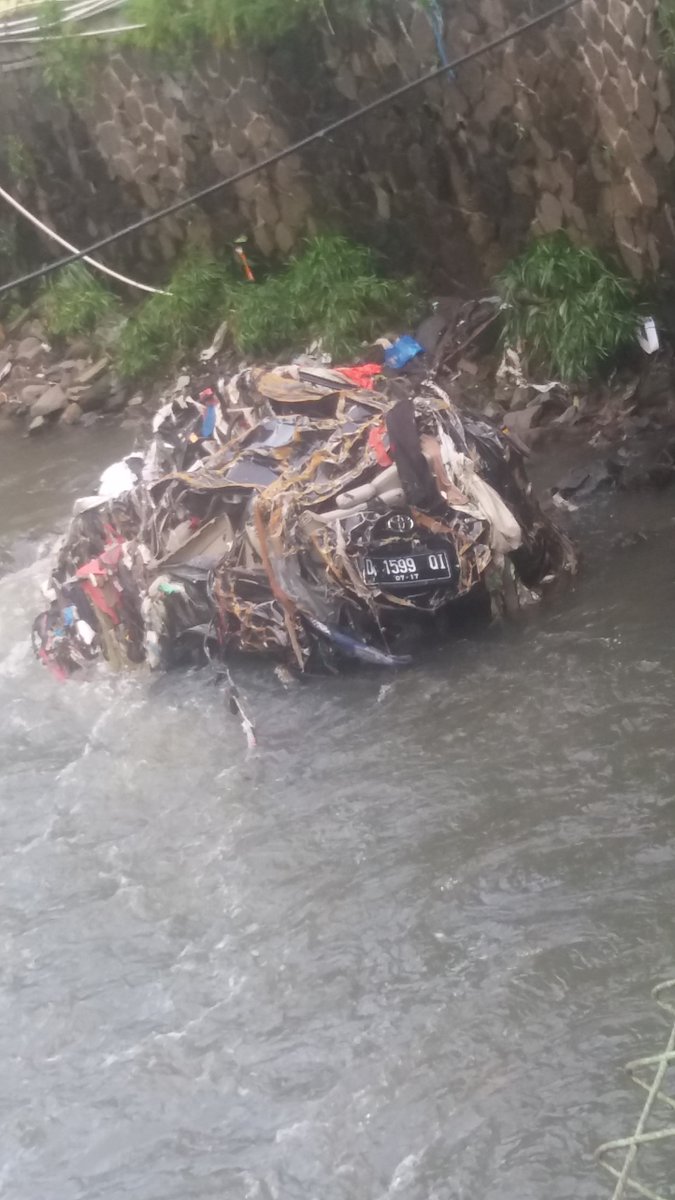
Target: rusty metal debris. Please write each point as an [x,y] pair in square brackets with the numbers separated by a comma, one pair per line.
[299,514]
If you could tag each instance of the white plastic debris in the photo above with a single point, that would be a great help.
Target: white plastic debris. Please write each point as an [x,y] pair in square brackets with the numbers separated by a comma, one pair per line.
[648,336]
[116,480]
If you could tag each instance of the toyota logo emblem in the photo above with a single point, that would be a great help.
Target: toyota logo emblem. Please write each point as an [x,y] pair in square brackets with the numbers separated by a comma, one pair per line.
[399,524]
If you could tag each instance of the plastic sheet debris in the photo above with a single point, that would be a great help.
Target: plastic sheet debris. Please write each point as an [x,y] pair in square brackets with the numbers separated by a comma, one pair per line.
[295,513]
[402,351]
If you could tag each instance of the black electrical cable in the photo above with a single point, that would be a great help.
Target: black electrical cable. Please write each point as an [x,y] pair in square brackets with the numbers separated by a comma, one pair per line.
[382,102]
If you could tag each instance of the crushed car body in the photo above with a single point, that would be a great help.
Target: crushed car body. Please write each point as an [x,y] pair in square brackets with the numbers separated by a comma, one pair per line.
[298,512]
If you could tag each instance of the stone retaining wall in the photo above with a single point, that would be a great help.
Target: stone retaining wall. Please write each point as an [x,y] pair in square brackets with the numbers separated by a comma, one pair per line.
[569,126]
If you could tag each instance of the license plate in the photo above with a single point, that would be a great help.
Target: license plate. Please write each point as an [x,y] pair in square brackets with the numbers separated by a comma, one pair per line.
[430,567]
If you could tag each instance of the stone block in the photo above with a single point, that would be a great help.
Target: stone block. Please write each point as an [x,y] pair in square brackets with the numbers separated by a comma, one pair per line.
[133,109]
[258,132]
[592,20]
[521,181]
[294,207]
[52,401]
[71,414]
[563,171]
[636,26]
[663,92]
[383,52]
[470,81]
[646,107]
[239,143]
[663,141]
[492,12]
[632,58]
[653,252]
[633,259]
[544,147]
[124,168]
[225,161]
[111,86]
[497,97]
[611,94]
[529,69]
[574,214]
[149,195]
[124,71]
[641,139]
[422,36]
[264,239]
[618,12]
[170,179]
[598,165]
[285,238]
[154,117]
[594,60]
[650,72]
[345,83]
[549,212]
[620,200]
[173,137]
[608,123]
[267,212]
[611,60]
[238,111]
[643,185]
[109,139]
[627,86]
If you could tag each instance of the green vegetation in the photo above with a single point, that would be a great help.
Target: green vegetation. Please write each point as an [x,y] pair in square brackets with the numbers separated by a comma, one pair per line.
[665,15]
[19,159]
[65,59]
[332,292]
[570,310]
[75,302]
[183,25]
[167,326]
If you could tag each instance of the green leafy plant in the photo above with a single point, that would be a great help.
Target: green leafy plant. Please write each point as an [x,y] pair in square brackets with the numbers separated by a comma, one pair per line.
[169,325]
[566,307]
[185,24]
[334,292]
[20,161]
[65,58]
[665,15]
[75,302]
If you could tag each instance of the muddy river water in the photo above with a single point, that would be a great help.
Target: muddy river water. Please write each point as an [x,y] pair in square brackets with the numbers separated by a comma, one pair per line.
[402,952]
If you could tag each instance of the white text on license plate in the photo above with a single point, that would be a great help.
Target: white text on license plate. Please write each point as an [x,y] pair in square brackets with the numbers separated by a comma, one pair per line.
[428,567]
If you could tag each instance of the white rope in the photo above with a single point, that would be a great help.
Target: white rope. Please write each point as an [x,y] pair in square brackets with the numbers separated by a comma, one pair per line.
[99,266]
[655,1093]
[34,39]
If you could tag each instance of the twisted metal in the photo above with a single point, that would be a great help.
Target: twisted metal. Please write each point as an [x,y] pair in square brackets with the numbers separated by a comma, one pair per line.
[656,1096]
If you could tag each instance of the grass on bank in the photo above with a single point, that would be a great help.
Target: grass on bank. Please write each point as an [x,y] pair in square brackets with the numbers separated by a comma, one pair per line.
[75,302]
[334,292]
[569,309]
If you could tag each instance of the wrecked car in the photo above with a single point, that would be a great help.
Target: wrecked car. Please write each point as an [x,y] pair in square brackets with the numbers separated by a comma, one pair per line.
[302,513]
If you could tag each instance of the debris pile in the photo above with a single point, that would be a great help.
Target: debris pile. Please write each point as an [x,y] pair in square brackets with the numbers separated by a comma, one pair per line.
[310,514]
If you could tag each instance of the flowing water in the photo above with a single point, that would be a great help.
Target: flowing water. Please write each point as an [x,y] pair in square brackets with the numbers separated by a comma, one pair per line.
[403,951]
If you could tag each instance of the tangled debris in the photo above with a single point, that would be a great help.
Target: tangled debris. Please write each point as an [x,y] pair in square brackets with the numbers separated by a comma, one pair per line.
[309,514]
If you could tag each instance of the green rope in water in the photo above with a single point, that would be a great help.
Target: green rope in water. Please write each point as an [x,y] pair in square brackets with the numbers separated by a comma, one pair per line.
[660,1063]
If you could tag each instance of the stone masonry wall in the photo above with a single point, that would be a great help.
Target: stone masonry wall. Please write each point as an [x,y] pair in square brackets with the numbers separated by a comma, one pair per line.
[568,126]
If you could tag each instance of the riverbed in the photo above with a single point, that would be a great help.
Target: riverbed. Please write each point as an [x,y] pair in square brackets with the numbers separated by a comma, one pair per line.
[402,951]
